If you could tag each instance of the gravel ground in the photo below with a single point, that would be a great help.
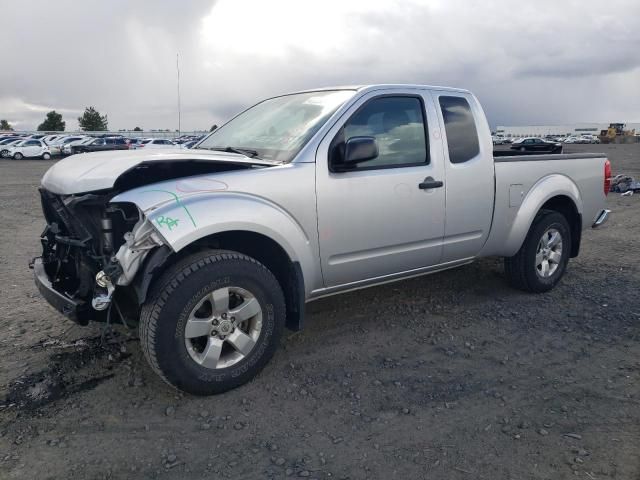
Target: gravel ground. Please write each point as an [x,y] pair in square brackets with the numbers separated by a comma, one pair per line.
[449,376]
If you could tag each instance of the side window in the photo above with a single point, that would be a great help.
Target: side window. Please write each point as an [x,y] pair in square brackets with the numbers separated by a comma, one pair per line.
[397,124]
[462,136]
[32,143]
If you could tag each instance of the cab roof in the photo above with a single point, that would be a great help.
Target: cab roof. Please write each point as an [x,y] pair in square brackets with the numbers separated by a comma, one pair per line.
[380,86]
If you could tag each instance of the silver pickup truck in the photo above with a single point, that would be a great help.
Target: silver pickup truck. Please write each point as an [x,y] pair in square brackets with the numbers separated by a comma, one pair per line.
[213,251]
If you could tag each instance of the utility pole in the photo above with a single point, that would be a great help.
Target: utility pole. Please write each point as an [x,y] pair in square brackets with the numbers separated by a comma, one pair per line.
[179,112]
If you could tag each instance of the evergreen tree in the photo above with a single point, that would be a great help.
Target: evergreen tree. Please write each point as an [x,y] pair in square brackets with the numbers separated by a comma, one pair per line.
[92,121]
[52,123]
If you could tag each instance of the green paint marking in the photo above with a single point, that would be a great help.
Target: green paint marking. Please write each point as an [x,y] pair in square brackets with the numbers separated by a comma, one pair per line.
[178,202]
[168,222]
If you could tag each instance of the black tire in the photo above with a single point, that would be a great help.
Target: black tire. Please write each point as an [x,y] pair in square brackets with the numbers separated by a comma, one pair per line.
[522,149]
[18,156]
[521,270]
[46,156]
[176,293]
[4,153]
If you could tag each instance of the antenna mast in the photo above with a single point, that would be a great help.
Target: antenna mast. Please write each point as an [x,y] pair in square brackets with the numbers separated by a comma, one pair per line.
[179,112]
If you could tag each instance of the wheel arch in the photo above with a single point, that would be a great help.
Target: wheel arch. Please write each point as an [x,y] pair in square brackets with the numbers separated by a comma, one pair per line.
[557,193]
[567,207]
[266,250]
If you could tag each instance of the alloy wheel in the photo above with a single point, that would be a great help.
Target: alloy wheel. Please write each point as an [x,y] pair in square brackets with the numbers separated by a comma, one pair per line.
[549,253]
[223,327]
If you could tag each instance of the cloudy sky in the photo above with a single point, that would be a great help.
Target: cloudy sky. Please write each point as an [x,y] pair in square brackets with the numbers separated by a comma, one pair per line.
[529,62]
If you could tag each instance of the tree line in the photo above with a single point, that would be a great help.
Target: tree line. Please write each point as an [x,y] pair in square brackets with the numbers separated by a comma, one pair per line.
[90,121]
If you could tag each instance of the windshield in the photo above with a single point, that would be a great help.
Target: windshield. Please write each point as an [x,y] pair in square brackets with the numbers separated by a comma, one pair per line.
[277,128]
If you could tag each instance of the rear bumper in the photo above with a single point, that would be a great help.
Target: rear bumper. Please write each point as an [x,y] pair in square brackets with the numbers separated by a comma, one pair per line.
[75,310]
[601,219]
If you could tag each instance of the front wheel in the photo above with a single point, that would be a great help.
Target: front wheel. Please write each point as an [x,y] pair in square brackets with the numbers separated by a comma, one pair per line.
[212,322]
[46,156]
[542,260]
[18,156]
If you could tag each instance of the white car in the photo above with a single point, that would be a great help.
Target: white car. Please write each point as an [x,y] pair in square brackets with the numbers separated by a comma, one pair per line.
[49,139]
[590,139]
[58,145]
[68,147]
[154,143]
[5,146]
[29,149]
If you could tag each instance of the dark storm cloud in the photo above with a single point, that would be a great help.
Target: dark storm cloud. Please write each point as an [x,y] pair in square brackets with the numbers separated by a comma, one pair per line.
[540,62]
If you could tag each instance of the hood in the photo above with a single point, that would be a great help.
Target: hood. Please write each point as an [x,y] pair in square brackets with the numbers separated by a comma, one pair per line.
[89,172]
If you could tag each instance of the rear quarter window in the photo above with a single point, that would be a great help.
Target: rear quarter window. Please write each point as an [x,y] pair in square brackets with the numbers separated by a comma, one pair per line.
[460,127]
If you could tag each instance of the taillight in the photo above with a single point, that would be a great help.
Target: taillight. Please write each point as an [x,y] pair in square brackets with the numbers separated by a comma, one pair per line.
[607,176]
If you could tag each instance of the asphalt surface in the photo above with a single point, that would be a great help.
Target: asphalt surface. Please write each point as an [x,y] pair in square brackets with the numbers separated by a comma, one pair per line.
[449,376]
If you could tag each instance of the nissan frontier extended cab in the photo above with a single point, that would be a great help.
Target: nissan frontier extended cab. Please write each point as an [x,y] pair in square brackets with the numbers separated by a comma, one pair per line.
[213,251]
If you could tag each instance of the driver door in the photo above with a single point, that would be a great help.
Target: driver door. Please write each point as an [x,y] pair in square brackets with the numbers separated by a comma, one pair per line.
[376,218]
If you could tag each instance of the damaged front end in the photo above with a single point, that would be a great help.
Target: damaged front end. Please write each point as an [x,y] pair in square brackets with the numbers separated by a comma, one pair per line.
[89,247]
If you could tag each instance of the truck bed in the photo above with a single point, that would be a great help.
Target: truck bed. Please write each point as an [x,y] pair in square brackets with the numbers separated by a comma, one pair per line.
[577,174]
[511,156]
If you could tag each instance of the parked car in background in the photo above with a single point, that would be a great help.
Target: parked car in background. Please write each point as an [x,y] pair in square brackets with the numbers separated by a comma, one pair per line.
[30,148]
[148,143]
[133,142]
[590,139]
[103,144]
[4,149]
[50,139]
[534,144]
[70,147]
[7,140]
[189,144]
[58,145]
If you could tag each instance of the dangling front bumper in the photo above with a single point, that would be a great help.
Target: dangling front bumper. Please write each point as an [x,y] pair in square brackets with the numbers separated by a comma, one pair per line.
[77,311]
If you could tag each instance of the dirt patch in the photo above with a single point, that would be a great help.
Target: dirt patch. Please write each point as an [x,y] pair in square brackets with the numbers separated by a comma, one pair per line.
[74,368]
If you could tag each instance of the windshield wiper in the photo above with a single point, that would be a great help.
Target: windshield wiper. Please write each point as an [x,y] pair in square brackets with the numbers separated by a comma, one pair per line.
[247,152]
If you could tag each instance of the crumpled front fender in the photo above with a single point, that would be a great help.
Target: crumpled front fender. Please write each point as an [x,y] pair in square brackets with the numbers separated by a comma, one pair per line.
[187,210]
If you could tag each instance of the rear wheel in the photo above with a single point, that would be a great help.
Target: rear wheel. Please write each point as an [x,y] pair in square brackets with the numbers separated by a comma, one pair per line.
[18,156]
[212,322]
[542,260]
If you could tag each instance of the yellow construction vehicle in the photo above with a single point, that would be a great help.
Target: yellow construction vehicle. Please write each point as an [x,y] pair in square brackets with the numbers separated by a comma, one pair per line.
[617,134]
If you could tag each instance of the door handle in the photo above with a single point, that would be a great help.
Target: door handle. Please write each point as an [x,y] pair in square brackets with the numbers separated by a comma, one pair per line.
[429,182]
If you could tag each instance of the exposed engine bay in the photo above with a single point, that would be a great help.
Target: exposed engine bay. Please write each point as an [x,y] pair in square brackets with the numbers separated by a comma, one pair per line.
[81,243]
[90,246]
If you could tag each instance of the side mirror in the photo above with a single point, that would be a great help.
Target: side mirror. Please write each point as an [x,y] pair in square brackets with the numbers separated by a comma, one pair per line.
[359,149]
